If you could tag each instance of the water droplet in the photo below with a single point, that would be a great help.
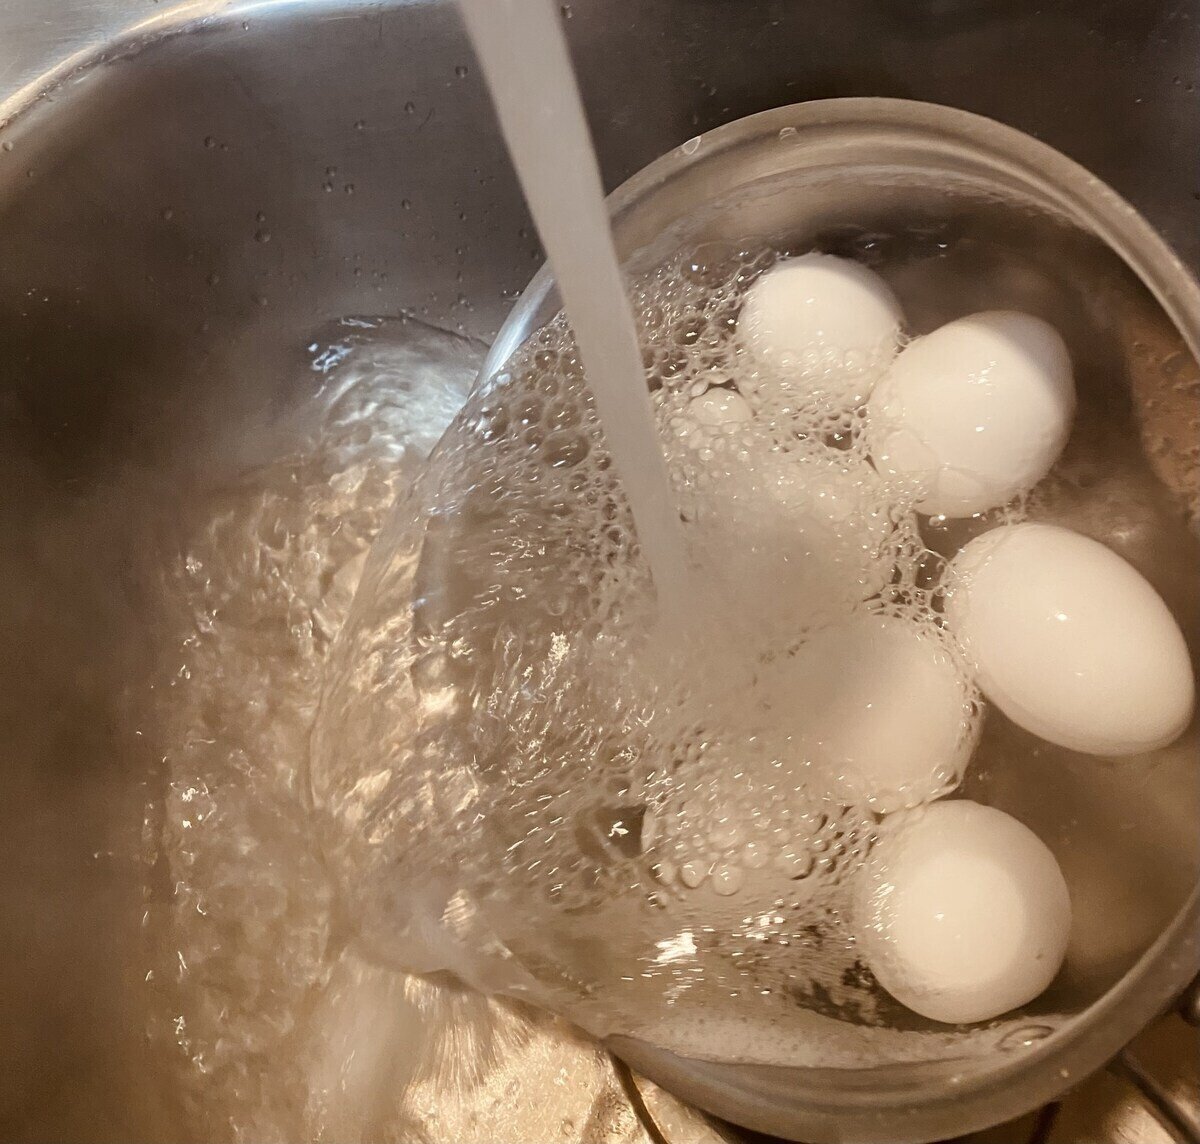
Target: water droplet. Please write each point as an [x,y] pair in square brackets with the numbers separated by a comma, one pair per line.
[691,146]
[245,25]
[327,187]
[214,279]
[727,879]
[461,70]
[360,125]
[406,204]
[7,144]
[567,13]
[692,874]
[331,171]
[210,141]
[410,107]
[788,133]
[349,188]
[167,214]
[262,235]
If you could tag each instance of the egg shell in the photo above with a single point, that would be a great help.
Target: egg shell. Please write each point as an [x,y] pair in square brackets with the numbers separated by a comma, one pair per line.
[884,711]
[963,913]
[821,325]
[976,412]
[812,531]
[718,408]
[1070,641]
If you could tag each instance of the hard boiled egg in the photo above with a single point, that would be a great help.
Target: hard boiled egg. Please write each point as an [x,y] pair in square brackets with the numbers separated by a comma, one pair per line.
[883,710]
[821,325]
[1069,641]
[808,530]
[718,408]
[963,913]
[975,412]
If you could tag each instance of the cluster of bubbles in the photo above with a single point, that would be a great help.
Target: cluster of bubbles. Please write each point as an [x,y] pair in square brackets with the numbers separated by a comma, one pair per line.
[511,750]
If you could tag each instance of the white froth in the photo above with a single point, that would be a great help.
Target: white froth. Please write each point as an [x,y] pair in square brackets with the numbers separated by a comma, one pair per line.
[885,711]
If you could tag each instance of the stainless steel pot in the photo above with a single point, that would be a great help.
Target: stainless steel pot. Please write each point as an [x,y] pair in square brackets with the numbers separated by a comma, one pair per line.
[185,193]
[798,172]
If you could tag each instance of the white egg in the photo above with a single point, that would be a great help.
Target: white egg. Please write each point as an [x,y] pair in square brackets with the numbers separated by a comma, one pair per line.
[884,711]
[963,913]
[1069,641]
[975,412]
[821,324]
[718,408]
[811,532]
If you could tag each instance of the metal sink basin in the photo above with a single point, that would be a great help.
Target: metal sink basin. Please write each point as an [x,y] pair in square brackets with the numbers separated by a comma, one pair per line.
[187,193]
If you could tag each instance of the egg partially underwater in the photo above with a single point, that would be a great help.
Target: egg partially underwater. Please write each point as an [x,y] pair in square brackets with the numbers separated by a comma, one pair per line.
[819,326]
[963,913]
[883,711]
[975,413]
[1070,641]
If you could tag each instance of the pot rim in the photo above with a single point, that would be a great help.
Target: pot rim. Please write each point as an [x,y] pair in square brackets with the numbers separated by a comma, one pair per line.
[781,1100]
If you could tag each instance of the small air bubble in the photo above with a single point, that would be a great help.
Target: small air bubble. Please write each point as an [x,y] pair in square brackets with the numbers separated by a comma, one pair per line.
[1025,1037]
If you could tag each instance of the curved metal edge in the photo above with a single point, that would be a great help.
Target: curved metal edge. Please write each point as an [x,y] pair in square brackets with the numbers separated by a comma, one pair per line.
[1189,1004]
[1080,194]
[115,35]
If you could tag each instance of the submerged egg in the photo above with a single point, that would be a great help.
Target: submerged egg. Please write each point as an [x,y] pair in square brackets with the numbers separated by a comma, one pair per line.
[963,913]
[885,711]
[821,324]
[1069,640]
[975,412]
[718,408]
[811,531]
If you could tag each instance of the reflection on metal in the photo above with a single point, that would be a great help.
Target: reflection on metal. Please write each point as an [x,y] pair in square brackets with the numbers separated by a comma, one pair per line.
[1171,1112]
[1189,1005]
